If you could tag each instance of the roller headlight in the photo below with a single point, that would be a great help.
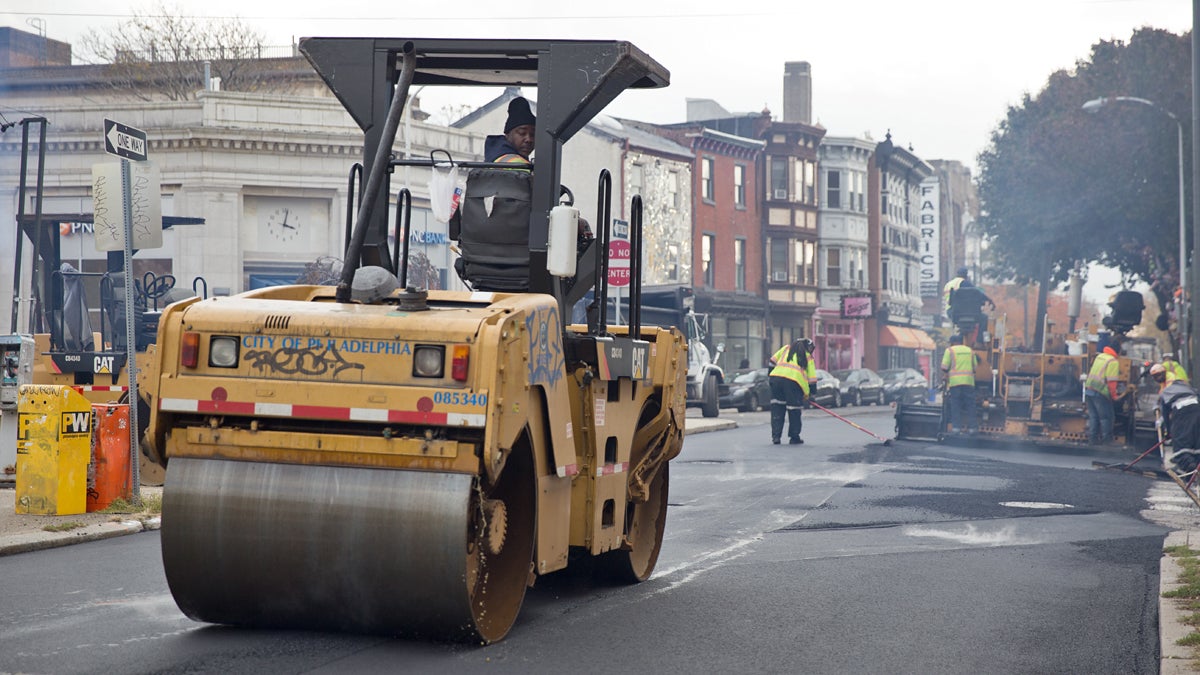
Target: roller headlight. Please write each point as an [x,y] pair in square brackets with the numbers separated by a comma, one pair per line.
[223,351]
[429,361]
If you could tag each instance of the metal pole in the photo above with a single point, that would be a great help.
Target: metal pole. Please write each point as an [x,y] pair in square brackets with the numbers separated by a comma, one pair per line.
[130,326]
[1184,306]
[1195,291]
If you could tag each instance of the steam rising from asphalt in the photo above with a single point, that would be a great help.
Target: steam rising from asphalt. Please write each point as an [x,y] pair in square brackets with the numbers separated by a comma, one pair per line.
[972,535]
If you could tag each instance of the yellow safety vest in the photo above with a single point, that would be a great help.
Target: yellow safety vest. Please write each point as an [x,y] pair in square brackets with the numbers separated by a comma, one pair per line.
[793,371]
[1105,369]
[949,288]
[513,158]
[959,360]
[1175,370]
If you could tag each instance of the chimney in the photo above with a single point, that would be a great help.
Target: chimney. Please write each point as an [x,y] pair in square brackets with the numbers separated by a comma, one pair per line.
[797,92]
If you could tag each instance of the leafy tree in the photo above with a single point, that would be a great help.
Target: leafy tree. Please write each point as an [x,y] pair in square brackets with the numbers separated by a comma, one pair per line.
[422,273]
[162,53]
[1058,185]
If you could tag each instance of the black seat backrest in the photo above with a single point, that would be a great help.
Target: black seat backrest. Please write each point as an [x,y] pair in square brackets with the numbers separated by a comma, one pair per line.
[493,230]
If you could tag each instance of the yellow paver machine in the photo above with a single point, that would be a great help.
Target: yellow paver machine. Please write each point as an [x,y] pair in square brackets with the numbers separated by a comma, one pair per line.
[379,458]
[1036,397]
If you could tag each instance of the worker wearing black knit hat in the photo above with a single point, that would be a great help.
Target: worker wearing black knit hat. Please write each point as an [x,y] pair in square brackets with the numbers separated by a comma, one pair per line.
[515,146]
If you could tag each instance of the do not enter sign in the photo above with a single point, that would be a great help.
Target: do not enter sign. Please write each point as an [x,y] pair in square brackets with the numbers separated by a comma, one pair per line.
[618,262]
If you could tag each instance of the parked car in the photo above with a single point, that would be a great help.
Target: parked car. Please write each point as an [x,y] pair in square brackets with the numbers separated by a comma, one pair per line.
[906,385]
[746,390]
[827,391]
[860,385]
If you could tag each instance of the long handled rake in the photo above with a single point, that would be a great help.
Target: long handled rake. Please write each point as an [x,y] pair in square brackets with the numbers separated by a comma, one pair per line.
[886,441]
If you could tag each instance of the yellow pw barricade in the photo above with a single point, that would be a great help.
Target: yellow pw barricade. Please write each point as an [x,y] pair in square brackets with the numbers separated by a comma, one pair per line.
[54,427]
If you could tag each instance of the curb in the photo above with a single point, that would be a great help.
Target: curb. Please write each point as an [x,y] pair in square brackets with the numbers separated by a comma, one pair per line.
[1173,657]
[38,541]
[719,425]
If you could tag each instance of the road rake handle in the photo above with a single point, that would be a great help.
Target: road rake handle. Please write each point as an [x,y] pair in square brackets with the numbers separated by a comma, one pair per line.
[886,441]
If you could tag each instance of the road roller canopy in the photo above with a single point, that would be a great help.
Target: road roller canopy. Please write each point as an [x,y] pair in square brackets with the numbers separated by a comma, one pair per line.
[575,80]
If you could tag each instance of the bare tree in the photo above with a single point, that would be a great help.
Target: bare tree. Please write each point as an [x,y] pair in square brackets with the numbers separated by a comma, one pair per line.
[162,53]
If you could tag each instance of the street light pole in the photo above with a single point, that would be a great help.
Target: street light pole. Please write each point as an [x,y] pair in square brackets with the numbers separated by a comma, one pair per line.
[1095,105]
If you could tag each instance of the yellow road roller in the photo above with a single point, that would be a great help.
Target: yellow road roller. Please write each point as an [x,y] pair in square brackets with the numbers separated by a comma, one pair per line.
[375,457]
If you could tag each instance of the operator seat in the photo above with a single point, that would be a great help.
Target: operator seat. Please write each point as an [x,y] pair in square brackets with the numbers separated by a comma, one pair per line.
[492,229]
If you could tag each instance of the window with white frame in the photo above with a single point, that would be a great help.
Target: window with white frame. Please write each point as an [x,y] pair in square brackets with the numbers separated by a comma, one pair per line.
[779,261]
[804,254]
[706,178]
[779,179]
[833,189]
[739,185]
[833,267]
[708,245]
[739,264]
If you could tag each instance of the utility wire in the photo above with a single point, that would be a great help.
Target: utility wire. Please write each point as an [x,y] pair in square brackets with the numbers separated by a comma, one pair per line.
[126,15]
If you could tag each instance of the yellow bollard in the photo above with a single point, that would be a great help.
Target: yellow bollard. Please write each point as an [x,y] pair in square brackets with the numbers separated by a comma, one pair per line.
[54,429]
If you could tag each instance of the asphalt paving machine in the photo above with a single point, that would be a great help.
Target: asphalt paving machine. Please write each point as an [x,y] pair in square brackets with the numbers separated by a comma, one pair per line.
[1036,397]
[378,458]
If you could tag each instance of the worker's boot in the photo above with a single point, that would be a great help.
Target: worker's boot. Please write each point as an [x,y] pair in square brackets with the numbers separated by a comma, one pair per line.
[1185,460]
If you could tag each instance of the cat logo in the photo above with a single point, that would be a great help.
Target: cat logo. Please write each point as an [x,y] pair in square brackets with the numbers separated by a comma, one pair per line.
[639,362]
[102,365]
[76,423]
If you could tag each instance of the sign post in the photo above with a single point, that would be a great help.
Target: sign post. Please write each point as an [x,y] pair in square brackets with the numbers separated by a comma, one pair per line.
[130,144]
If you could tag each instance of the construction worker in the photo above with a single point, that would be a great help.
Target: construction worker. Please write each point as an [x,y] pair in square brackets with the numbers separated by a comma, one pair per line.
[1179,418]
[958,368]
[516,145]
[1100,390]
[951,286]
[792,373]
[1174,368]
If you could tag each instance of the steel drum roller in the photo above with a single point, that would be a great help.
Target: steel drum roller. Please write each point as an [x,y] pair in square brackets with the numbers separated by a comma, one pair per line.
[342,548]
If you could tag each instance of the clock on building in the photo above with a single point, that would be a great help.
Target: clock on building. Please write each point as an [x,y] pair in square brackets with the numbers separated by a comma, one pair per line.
[283,223]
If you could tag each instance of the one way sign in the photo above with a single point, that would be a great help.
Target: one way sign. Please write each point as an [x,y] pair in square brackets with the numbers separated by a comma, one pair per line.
[124,141]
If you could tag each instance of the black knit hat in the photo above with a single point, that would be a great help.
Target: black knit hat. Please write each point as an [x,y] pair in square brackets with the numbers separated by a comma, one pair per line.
[518,114]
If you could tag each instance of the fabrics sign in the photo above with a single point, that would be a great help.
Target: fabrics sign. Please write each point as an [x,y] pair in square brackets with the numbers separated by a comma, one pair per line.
[930,241]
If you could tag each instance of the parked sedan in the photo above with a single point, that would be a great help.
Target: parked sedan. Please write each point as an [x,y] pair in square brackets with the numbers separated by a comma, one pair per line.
[827,391]
[905,385]
[746,390]
[860,385]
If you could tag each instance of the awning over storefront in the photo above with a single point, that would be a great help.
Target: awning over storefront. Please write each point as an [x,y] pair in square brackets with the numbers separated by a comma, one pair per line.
[908,338]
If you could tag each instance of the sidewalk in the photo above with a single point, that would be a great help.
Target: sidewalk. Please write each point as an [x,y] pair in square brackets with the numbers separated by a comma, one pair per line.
[20,533]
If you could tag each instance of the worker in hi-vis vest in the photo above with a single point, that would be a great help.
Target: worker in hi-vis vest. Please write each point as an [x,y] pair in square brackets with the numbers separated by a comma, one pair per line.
[958,368]
[960,276]
[1100,390]
[792,374]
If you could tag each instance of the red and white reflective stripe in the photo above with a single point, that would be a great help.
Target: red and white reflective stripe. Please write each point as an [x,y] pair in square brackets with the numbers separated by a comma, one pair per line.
[96,387]
[568,470]
[322,412]
[609,469]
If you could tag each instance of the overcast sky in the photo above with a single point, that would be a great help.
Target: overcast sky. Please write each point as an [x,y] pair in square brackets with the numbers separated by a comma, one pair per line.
[938,73]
